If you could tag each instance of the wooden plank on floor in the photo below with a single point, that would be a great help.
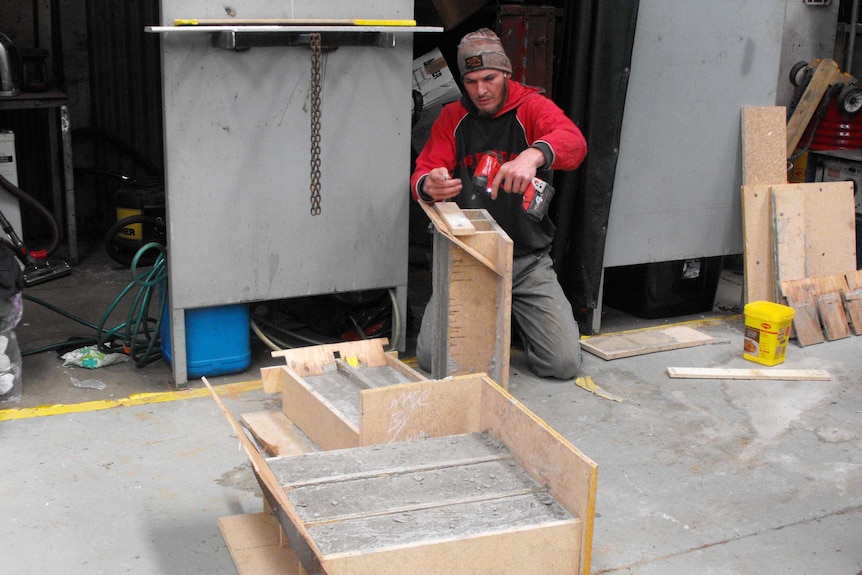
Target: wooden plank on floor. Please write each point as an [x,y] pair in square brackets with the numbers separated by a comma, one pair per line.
[254,542]
[616,346]
[763,374]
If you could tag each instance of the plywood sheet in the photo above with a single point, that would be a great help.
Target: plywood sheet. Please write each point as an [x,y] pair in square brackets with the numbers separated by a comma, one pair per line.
[617,346]
[830,226]
[788,231]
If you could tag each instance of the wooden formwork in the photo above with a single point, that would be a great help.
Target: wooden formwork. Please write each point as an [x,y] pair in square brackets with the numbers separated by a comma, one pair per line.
[472,282]
[449,476]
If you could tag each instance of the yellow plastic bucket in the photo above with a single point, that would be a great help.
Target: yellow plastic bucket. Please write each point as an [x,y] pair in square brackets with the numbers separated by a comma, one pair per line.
[767,329]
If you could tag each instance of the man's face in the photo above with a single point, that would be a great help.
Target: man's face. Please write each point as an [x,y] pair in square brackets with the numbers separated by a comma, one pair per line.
[487,89]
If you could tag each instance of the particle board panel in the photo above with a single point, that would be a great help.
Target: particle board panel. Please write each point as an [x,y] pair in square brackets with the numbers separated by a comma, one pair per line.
[764,141]
[616,346]
[757,243]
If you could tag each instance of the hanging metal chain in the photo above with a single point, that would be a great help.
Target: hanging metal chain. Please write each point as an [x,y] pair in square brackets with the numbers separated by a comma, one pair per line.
[315,124]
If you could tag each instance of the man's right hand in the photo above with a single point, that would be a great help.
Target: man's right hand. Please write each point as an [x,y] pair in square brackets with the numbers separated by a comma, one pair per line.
[440,186]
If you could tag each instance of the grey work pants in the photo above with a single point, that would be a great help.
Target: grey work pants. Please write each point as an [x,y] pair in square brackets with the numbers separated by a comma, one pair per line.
[543,316]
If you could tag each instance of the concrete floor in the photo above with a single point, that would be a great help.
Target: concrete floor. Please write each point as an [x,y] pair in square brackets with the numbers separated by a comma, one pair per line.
[695,476]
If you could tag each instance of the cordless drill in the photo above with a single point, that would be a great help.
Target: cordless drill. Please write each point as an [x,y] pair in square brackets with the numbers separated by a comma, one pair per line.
[537,196]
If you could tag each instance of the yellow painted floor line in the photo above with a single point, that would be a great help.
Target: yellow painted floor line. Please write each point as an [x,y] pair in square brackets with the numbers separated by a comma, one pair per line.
[132,400]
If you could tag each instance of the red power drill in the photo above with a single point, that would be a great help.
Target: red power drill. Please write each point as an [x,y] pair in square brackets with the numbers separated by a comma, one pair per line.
[537,197]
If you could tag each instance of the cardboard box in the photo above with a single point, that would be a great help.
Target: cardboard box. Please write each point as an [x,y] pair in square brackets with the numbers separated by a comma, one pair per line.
[433,79]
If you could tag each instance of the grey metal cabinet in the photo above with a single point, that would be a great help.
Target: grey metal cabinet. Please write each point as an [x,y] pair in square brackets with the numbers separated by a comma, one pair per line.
[237,162]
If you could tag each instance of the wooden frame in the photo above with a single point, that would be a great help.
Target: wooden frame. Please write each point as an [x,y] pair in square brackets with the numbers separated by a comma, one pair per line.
[437,409]
[322,396]
[472,282]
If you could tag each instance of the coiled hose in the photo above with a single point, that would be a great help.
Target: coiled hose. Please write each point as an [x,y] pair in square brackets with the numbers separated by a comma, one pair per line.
[137,336]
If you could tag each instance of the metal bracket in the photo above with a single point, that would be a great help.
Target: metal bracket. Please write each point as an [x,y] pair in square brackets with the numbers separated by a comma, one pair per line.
[239,40]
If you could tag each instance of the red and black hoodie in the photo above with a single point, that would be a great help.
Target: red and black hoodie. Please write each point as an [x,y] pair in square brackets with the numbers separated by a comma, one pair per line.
[460,137]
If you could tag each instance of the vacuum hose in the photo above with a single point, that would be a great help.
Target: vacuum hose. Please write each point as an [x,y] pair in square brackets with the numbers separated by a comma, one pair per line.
[32,202]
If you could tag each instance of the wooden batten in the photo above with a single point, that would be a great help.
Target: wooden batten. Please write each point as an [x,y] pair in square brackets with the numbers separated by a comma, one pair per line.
[757,243]
[853,299]
[800,295]
[830,303]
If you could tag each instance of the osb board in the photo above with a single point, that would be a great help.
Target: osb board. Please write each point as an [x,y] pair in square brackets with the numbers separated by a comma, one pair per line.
[829,227]
[616,346]
[757,243]
[254,542]
[764,141]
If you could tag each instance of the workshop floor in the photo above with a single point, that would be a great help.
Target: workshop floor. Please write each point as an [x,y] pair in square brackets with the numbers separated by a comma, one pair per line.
[695,476]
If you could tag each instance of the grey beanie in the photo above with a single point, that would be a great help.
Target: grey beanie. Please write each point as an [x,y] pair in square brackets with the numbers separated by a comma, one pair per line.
[482,49]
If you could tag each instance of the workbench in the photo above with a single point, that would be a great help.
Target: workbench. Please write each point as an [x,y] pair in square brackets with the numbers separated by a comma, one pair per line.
[238,155]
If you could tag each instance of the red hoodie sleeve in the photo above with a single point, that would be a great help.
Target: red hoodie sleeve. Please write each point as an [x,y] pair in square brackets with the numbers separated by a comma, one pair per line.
[439,150]
[546,123]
